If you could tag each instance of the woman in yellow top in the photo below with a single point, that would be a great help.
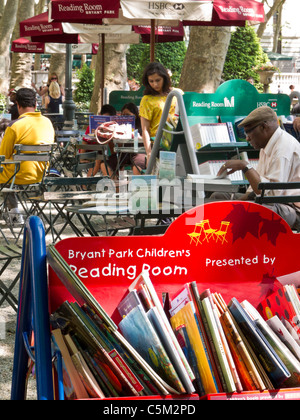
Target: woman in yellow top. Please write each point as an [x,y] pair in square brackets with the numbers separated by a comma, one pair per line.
[157,84]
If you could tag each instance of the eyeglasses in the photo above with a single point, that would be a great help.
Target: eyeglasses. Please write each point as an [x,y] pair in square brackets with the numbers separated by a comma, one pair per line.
[247,132]
[53,78]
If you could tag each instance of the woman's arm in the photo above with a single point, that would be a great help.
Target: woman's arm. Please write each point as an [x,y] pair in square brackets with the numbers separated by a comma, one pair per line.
[146,136]
[40,91]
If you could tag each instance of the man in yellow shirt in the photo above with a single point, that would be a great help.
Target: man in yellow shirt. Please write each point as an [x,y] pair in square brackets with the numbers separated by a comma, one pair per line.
[30,128]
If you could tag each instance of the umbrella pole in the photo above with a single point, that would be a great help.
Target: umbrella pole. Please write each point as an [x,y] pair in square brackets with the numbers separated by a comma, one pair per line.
[152,41]
[69,104]
[102,68]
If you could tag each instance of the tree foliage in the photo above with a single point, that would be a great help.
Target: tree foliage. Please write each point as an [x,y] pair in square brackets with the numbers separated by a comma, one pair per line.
[244,53]
[84,88]
[170,54]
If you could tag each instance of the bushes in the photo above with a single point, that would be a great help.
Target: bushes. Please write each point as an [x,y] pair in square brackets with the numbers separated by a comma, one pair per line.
[170,54]
[244,53]
[85,86]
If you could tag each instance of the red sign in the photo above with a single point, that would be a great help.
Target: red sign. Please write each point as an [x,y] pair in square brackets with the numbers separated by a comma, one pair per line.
[23,45]
[239,10]
[39,29]
[80,12]
[233,13]
[238,249]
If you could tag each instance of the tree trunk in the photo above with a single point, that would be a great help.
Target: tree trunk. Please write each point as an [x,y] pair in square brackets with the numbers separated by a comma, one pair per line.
[273,9]
[203,65]
[7,24]
[22,62]
[115,73]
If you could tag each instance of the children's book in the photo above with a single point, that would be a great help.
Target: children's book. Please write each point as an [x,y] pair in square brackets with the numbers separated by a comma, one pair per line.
[273,365]
[138,330]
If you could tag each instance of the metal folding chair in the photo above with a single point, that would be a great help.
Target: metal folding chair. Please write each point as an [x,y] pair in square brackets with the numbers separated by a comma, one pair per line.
[38,153]
[7,255]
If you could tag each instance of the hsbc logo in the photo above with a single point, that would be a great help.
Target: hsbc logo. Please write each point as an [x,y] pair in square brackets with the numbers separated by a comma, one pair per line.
[178,6]
[273,104]
[157,5]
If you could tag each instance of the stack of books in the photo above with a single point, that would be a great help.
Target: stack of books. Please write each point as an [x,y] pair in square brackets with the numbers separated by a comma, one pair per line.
[189,342]
[204,134]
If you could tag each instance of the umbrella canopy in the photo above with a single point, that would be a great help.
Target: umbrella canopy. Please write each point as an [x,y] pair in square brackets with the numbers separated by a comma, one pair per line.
[143,12]
[92,11]
[216,12]
[162,33]
[40,30]
[24,45]
[233,13]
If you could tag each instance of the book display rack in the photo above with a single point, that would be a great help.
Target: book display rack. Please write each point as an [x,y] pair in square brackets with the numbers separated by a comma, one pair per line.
[221,270]
[207,127]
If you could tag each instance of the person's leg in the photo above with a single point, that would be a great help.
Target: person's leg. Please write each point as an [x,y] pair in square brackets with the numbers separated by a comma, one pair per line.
[223,196]
[287,212]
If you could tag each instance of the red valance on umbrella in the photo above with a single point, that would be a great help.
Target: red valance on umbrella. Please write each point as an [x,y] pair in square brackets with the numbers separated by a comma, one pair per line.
[83,11]
[24,45]
[233,13]
[162,33]
[38,26]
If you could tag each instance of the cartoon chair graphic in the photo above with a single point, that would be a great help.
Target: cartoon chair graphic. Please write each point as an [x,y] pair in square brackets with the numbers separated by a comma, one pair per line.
[208,231]
[221,233]
[195,236]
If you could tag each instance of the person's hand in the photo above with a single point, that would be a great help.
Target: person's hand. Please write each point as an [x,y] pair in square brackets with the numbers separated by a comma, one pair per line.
[232,166]
[296,124]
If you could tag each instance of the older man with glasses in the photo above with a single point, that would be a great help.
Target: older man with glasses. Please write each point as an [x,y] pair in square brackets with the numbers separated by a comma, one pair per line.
[279,161]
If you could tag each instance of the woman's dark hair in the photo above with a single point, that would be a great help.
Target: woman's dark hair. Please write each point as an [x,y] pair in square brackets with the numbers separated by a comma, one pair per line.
[134,110]
[159,69]
[4,123]
[108,109]
[26,98]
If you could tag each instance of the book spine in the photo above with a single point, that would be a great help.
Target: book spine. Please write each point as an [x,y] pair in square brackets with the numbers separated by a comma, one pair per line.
[205,335]
[246,377]
[167,324]
[230,386]
[126,371]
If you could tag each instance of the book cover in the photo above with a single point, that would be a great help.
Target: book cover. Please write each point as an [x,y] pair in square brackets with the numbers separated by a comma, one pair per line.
[248,372]
[87,377]
[272,364]
[186,317]
[144,279]
[113,343]
[167,165]
[79,388]
[129,302]
[89,339]
[162,332]
[138,330]
[283,352]
[278,303]
[96,120]
[144,193]
[184,342]
[283,334]
[74,285]
[219,345]
[200,316]
[245,376]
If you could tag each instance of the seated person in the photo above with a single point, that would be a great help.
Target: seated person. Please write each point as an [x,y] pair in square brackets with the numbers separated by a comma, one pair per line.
[279,161]
[105,110]
[136,160]
[54,98]
[30,128]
